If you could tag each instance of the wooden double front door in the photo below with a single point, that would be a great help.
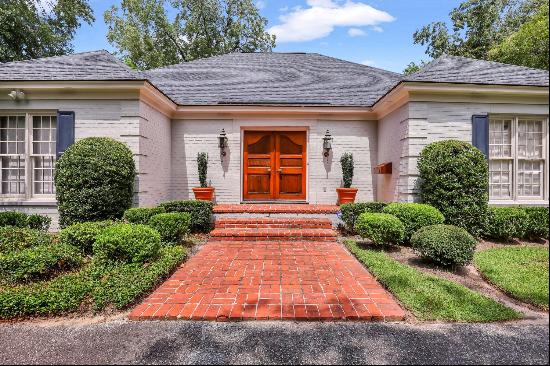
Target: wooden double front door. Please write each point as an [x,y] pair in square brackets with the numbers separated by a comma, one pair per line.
[275,165]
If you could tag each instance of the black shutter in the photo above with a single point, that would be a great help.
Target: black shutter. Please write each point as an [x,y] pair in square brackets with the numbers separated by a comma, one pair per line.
[65,132]
[480,133]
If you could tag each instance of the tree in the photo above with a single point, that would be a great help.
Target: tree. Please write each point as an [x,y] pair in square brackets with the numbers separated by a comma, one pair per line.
[414,67]
[478,26]
[147,38]
[31,29]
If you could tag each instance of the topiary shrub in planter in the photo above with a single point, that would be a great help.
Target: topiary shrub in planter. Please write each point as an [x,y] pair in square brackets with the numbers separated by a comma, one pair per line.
[349,212]
[127,243]
[203,192]
[454,178]
[347,194]
[536,226]
[506,223]
[13,218]
[446,245]
[83,234]
[141,215]
[172,226]
[94,181]
[15,239]
[201,213]
[380,228]
[39,222]
[414,216]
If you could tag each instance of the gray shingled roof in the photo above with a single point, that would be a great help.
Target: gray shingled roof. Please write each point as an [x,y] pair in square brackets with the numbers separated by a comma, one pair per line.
[96,65]
[273,78]
[454,69]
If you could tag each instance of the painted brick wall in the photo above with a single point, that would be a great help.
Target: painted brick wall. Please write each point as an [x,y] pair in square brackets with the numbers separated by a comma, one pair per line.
[189,137]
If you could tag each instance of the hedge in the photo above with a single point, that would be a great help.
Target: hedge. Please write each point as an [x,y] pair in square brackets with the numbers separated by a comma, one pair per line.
[14,238]
[414,216]
[349,212]
[201,213]
[83,235]
[444,244]
[380,228]
[126,243]
[172,226]
[536,226]
[22,220]
[506,223]
[141,215]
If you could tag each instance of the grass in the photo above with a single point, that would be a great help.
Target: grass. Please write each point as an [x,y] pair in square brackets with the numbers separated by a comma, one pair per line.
[430,297]
[521,272]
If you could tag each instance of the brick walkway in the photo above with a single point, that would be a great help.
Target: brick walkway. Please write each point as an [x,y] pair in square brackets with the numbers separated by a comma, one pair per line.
[288,280]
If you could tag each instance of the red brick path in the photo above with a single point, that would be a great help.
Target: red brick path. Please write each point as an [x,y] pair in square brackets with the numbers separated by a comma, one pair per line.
[270,280]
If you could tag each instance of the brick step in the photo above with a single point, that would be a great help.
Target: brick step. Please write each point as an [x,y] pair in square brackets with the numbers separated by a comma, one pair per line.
[254,208]
[272,223]
[273,234]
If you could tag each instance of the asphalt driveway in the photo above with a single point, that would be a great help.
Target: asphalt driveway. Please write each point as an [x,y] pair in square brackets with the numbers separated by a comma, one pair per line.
[188,342]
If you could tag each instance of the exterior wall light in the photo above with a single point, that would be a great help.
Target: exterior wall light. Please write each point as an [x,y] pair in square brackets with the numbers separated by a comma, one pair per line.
[327,144]
[16,94]
[222,142]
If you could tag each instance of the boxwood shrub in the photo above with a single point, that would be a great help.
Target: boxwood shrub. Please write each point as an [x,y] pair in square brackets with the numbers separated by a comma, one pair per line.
[201,213]
[83,235]
[39,222]
[13,218]
[141,215]
[454,178]
[172,226]
[349,212]
[127,243]
[506,223]
[38,262]
[536,226]
[444,244]
[15,239]
[380,228]
[414,216]
[94,181]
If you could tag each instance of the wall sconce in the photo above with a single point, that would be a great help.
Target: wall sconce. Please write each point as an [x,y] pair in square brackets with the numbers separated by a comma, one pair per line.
[327,144]
[222,142]
[16,94]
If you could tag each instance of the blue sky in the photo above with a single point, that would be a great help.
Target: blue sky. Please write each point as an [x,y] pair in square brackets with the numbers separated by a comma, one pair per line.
[373,32]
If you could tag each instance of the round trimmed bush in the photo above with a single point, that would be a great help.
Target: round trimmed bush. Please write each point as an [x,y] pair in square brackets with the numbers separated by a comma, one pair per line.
[83,234]
[454,178]
[506,223]
[127,243]
[380,228]
[13,218]
[94,181]
[349,212]
[141,215]
[201,213]
[444,244]
[14,239]
[414,216]
[537,223]
[39,222]
[172,226]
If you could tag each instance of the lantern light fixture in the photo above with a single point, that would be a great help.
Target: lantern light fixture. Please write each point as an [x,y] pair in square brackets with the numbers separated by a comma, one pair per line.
[222,142]
[327,144]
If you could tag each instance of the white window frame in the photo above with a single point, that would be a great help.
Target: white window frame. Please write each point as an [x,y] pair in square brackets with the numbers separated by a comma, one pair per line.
[516,198]
[29,194]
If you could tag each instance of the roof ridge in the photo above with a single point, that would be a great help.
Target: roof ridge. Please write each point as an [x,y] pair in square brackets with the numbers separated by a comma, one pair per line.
[59,56]
[482,60]
[358,64]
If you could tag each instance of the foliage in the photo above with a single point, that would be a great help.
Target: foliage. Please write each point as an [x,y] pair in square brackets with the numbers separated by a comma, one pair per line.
[147,36]
[202,165]
[83,234]
[445,244]
[172,226]
[414,216]
[349,212]
[506,223]
[39,222]
[536,226]
[141,215]
[94,181]
[38,262]
[413,67]
[479,26]
[33,29]
[13,218]
[347,169]
[430,297]
[454,178]
[126,243]
[380,228]
[201,213]
[521,272]
[15,239]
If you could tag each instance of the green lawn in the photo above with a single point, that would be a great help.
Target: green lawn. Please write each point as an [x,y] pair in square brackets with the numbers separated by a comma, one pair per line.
[521,272]
[430,297]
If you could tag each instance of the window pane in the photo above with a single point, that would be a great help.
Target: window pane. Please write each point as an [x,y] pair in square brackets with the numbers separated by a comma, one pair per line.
[530,178]
[500,138]
[43,171]
[12,175]
[530,139]
[500,179]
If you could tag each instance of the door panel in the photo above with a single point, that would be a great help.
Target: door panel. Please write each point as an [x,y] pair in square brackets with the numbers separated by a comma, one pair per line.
[275,165]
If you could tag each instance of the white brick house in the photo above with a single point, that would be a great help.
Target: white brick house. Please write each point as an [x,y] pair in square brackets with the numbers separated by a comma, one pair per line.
[268,104]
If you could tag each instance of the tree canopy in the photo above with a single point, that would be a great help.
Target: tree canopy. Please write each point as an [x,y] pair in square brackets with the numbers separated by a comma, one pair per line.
[510,31]
[155,33]
[32,29]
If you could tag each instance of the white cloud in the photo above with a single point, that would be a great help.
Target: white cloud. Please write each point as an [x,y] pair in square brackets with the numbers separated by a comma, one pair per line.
[368,63]
[377,28]
[356,32]
[261,4]
[320,18]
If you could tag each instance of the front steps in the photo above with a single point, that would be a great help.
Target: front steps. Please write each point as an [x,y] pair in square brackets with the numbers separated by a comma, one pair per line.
[241,229]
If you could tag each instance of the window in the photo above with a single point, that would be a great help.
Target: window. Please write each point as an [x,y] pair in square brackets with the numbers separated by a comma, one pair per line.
[518,157]
[27,155]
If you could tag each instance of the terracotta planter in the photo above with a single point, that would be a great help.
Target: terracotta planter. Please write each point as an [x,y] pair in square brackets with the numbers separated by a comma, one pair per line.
[204,194]
[346,195]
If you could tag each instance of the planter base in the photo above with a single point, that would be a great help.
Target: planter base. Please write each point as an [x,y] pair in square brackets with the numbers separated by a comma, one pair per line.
[346,195]
[204,194]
